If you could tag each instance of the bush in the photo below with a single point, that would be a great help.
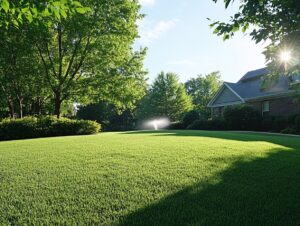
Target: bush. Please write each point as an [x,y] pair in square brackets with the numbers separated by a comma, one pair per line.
[190,117]
[291,119]
[267,123]
[279,124]
[297,123]
[242,117]
[215,124]
[175,125]
[31,127]
[289,130]
[18,129]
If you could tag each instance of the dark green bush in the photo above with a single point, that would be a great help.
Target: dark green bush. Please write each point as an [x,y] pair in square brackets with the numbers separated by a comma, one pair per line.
[289,130]
[18,129]
[291,119]
[190,117]
[279,124]
[297,123]
[242,117]
[215,124]
[175,125]
[31,127]
[267,123]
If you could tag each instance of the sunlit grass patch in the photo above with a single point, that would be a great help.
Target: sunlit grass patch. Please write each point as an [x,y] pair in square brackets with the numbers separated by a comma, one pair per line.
[151,178]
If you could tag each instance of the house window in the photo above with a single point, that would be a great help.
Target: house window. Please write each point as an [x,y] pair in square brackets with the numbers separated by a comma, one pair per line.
[265,107]
[294,79]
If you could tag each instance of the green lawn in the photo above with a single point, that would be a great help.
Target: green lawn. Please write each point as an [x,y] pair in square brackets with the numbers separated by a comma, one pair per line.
[151,178]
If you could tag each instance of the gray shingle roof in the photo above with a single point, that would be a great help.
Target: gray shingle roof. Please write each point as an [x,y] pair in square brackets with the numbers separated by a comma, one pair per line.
[253,74]
[250,85]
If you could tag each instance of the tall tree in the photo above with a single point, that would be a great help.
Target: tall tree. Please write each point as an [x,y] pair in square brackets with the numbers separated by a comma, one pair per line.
[20,74]
[166,97]
[84,52]
[80,50]
[276,21]
[202,89]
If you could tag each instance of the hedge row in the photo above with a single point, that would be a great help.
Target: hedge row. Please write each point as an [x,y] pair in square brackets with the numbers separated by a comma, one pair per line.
[32,127]
[242,118]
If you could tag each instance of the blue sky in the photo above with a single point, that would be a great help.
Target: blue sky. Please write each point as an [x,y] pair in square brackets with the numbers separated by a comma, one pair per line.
[179,40]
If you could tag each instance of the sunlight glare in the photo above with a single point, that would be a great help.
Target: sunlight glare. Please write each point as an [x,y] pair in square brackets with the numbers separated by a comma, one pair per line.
[285,56]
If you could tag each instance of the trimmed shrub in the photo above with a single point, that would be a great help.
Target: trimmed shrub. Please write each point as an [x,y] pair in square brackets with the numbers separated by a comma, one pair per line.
[31,127]
[18,129]
[190,117]
[242,117]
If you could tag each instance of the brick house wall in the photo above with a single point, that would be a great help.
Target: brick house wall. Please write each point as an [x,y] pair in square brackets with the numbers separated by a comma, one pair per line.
[279,107]
[285,106]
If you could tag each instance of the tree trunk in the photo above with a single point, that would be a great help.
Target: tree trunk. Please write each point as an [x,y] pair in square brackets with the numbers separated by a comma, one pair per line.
[11,108]
[21,106]
[57,104]
[39,107]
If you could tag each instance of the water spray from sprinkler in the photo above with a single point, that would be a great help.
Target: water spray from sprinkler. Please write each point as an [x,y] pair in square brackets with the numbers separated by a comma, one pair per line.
[156,124]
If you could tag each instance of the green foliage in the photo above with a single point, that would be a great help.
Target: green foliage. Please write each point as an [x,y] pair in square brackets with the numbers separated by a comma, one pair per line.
[32,127]
[202,90]
[297,123]
[203,124]
[89,57]
[68,51]
[108,116]
[289,130]
[166,97]
[190,117]
[176,178]
[22,85]
[272,20]
[30,11]
[97,112]
[18,129]
[279,123]
[242,117]
[176,125]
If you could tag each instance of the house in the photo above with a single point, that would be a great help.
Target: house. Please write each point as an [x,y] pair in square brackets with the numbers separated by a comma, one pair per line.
[270,97]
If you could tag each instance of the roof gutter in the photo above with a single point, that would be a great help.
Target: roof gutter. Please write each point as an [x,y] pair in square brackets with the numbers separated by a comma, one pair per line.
[277,95]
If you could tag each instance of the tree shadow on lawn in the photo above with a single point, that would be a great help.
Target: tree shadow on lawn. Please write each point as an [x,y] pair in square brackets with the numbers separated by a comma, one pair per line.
[265,191]
[280,139]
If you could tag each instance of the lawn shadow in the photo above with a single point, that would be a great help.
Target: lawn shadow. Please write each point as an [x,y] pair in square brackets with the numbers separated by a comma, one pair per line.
[283,140]
[264,191]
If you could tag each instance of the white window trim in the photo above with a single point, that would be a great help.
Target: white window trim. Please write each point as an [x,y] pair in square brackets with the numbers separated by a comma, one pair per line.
[264,108]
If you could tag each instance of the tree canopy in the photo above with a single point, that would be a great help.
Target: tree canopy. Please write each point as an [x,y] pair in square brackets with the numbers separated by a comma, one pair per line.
[201,89]
[165,97]
[276,21]
[71,51]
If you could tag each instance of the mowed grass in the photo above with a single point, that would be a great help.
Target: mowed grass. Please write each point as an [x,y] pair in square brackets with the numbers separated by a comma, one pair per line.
[151,178]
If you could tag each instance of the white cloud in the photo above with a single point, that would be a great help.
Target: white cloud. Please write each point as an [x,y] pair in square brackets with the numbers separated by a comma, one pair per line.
[147,2]
[150,32]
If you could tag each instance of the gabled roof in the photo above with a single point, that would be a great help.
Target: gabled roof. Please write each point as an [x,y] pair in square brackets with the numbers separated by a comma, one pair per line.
[226,96]
[252,89]
[254,74]
[249,87]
